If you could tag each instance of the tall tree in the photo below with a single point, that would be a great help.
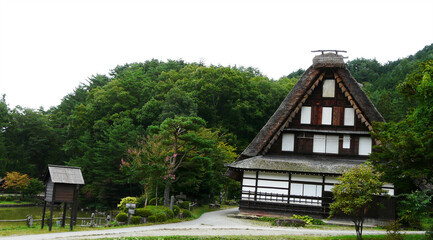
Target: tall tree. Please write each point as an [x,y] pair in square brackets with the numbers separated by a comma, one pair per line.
[406,152]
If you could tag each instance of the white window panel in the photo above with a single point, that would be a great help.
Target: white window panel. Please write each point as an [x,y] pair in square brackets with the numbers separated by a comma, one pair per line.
[328,88]
[306,115]
[250,174]
[249,182]
[332,144]
[306,178]
[319,143]
[251,189]
[389,191]
[269,183]
[296,189]
[364,146]
[326,115]
[346,141]
[331,180]
[310,190]
[273,175]
[349,117]
[288,142]
[328,188]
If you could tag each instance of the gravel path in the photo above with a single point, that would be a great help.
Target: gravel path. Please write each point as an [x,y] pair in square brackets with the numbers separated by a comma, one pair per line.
[209,224]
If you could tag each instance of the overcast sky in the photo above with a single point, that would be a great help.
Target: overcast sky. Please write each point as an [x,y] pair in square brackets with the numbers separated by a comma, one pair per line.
[48,47]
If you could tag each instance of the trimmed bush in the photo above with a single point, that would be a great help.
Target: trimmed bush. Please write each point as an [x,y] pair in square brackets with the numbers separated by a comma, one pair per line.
[290,222]
[184,204]
[151,218]
[176,210]
[186,213]
[143,212]
[308,220]
[318,222]
[140,201]
[124,201]
[169,213]
[161,217]
[122,217]
[135,220]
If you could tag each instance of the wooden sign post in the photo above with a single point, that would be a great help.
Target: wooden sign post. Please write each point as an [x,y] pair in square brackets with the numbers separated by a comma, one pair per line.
[62,185]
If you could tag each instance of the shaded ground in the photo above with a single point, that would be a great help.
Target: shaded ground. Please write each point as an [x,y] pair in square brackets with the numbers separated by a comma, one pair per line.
[209,224]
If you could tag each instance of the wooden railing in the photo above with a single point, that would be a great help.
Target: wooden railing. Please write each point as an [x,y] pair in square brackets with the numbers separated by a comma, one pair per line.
[92,221]
[285,202]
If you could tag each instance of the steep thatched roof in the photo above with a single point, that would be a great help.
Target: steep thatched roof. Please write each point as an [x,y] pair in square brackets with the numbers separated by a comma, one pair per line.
[324,164]
[364,108]
[65,174]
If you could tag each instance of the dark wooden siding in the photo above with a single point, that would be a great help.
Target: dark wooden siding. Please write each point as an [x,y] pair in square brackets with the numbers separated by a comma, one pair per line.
[316,101]
[304,144]
[304,139]
[64,193]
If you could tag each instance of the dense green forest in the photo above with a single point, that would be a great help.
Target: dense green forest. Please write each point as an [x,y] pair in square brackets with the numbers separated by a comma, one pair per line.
[96,124]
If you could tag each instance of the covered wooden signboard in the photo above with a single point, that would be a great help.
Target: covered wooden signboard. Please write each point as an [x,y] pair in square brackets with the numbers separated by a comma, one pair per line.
[62,185]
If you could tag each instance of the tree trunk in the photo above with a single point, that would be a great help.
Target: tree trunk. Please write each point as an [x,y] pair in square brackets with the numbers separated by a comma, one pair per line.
[146,196]
[167,194]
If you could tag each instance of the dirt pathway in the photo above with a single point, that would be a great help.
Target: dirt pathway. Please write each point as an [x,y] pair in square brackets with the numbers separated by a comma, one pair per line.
[209,224]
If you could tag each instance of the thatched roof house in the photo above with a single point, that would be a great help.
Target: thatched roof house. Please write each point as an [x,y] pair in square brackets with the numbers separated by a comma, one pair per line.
[321,129]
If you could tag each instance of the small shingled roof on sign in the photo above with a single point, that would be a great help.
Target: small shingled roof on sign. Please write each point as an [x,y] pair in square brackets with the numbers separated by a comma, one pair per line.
[65,174]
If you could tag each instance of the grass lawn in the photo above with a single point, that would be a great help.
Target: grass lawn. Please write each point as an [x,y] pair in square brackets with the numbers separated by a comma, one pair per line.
[349,237]
[14,203]
[36,229]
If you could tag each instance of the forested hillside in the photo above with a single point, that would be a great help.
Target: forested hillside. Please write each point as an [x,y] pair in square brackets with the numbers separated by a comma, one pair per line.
[99,121]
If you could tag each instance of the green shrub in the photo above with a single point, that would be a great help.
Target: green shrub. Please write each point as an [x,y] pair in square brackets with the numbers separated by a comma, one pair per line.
[169,213]
[143,212]
[122,217]
[135,220]
[124,201]
[308,220]
[393,231]
[318,222]
[151,218]
[153,201]
[186,213]
[35,186]
[413,207]
[161,217]
[429,233]
[287,222]
[176,210]
[184,204]
[141,201]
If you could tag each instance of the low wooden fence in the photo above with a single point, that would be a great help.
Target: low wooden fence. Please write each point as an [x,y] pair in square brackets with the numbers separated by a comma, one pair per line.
[92,221]
[285,203]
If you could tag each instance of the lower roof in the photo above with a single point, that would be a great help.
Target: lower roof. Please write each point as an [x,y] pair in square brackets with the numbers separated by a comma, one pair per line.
[326,164]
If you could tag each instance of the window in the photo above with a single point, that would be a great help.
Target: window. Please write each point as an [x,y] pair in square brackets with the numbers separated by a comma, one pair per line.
[288,142]
[325,144]
[349,117]
[319,143]
[305,190]
[332,144]
[328,88]
[306,115]
[326,115]
[346,141]
[364,146]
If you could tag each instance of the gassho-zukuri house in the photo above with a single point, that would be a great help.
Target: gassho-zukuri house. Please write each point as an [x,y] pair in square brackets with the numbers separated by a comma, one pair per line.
[320,130]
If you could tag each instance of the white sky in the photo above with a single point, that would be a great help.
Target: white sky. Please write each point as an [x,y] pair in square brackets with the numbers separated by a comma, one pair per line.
[48,47]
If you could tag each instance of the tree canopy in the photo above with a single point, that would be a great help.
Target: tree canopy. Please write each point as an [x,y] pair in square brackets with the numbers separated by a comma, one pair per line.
[94,126]
[406,152]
